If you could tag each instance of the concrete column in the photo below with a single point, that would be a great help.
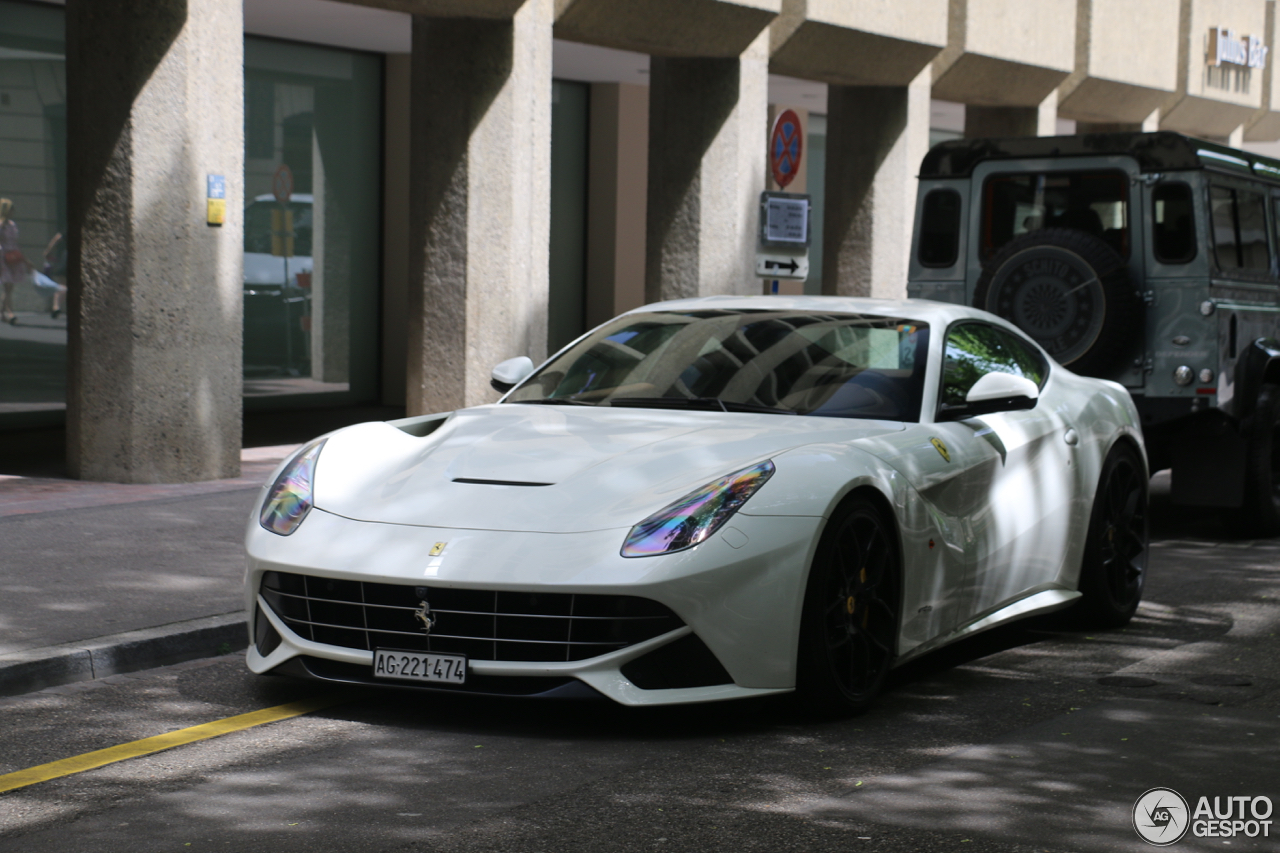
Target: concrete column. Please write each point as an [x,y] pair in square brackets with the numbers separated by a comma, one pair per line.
[155,103]
[876,138]
[707,159]
[1042,120]
[617,195]
[480,192]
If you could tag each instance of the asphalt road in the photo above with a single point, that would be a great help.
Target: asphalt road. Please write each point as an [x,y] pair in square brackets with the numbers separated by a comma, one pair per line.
[1033,737]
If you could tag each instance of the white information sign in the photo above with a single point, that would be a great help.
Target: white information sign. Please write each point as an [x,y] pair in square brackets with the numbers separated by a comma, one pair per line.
[786,220]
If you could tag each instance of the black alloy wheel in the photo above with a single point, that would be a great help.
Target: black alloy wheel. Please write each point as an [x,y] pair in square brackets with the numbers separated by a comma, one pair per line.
[1114,568]
[848,633]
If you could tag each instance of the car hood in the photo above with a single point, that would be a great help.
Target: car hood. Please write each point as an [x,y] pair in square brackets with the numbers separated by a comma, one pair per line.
[556,469]
[261,268]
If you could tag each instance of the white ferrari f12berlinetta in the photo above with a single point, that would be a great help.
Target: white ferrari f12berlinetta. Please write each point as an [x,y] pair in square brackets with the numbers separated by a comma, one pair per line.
[708,499]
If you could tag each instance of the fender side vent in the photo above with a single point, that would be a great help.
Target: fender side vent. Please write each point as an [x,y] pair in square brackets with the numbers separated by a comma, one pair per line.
[497,482]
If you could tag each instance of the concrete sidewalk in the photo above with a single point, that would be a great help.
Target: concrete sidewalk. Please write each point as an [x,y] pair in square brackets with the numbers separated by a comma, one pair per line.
[105,578]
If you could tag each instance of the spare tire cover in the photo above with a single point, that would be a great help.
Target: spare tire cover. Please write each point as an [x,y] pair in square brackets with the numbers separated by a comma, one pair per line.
[1066,289]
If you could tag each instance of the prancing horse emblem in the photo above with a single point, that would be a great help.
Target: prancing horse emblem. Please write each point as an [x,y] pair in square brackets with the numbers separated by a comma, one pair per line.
[941,448]
[423,615]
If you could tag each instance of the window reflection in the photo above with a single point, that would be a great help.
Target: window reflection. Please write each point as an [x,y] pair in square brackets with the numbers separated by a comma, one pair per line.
[33,175]
[976,349]
[832,365]
[1239,229]
[311,223]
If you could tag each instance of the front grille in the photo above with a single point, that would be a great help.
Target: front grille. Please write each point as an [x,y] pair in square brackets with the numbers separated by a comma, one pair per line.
[481,624]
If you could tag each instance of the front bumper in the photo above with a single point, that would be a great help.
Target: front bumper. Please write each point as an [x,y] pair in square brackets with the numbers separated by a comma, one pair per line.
[739,594]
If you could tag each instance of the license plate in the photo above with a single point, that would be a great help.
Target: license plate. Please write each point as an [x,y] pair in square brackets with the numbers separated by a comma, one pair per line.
[419,666]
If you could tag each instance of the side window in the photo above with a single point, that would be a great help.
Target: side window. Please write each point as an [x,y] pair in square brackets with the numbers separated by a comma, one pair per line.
[975,349]
[1174,236]
[1239,229]
[940,228]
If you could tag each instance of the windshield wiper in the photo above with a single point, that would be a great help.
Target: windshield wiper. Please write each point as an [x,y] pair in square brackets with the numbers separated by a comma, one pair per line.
[711,404]
[553,401]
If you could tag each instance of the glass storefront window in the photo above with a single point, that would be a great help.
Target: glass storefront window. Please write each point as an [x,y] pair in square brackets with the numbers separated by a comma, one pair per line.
[312,265]
[312,261]
[33,180]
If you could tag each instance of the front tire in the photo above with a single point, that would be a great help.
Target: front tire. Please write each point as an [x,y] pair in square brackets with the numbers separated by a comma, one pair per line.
[849,627]
[1113,570]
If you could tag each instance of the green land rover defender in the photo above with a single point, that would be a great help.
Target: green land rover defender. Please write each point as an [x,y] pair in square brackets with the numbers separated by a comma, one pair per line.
[1151,259]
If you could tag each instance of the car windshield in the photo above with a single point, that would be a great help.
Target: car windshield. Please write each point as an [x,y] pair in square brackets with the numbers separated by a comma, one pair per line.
[789,362]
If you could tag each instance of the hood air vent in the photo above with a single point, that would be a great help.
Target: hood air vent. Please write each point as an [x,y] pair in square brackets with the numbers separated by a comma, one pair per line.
[497,482]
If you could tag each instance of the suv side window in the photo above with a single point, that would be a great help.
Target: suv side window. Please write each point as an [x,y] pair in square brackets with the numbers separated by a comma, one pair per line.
[1239,219]
[940,229]
[1174,237]
[975,349]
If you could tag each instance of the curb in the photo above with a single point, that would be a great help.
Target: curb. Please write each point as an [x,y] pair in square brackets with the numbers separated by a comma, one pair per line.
[52,666]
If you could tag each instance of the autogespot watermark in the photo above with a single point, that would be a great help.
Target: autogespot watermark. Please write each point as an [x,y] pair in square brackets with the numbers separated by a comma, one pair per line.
[1162,817]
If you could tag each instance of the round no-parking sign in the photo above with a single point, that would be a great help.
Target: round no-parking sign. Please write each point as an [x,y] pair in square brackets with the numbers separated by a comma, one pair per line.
[786,145]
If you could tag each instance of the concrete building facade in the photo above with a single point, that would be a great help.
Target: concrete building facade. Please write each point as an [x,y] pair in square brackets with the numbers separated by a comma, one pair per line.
[392,218]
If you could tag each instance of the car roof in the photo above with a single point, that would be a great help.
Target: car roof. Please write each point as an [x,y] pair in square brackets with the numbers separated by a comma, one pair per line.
[1154,152]
[934,313]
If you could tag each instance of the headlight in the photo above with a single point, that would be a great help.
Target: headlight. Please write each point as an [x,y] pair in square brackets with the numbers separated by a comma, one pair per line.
[696,516]
[289,500]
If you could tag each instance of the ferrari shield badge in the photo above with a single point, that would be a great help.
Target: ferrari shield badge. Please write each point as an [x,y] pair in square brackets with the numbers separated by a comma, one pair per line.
[941,448]
[437,549]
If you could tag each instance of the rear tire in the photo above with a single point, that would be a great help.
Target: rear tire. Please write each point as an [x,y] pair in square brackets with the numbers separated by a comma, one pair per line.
[1260,515]
[849,627]
[1113,570]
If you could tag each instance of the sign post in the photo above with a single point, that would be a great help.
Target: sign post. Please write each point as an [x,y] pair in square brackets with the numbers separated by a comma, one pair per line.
[782,253]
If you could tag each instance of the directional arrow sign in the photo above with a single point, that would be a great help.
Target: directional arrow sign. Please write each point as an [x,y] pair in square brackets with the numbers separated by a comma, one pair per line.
[782,266]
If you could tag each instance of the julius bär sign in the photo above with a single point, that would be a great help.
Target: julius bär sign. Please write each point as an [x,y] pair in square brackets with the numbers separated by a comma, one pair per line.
[1227,48]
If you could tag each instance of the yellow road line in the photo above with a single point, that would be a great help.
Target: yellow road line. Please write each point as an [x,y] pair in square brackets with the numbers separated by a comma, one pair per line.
[146,746]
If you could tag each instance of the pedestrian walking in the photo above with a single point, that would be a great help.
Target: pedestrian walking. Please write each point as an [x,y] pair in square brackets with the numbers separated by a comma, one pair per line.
[44,281]
[13,265]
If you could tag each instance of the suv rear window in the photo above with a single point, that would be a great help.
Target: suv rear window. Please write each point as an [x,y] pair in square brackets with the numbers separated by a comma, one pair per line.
[1094,202]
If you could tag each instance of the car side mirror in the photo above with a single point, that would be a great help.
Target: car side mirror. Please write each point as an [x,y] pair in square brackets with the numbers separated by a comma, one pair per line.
[994,392]
[510,373]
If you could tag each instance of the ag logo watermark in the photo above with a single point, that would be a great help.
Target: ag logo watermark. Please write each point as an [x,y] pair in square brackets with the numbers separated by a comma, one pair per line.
[1162,817]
